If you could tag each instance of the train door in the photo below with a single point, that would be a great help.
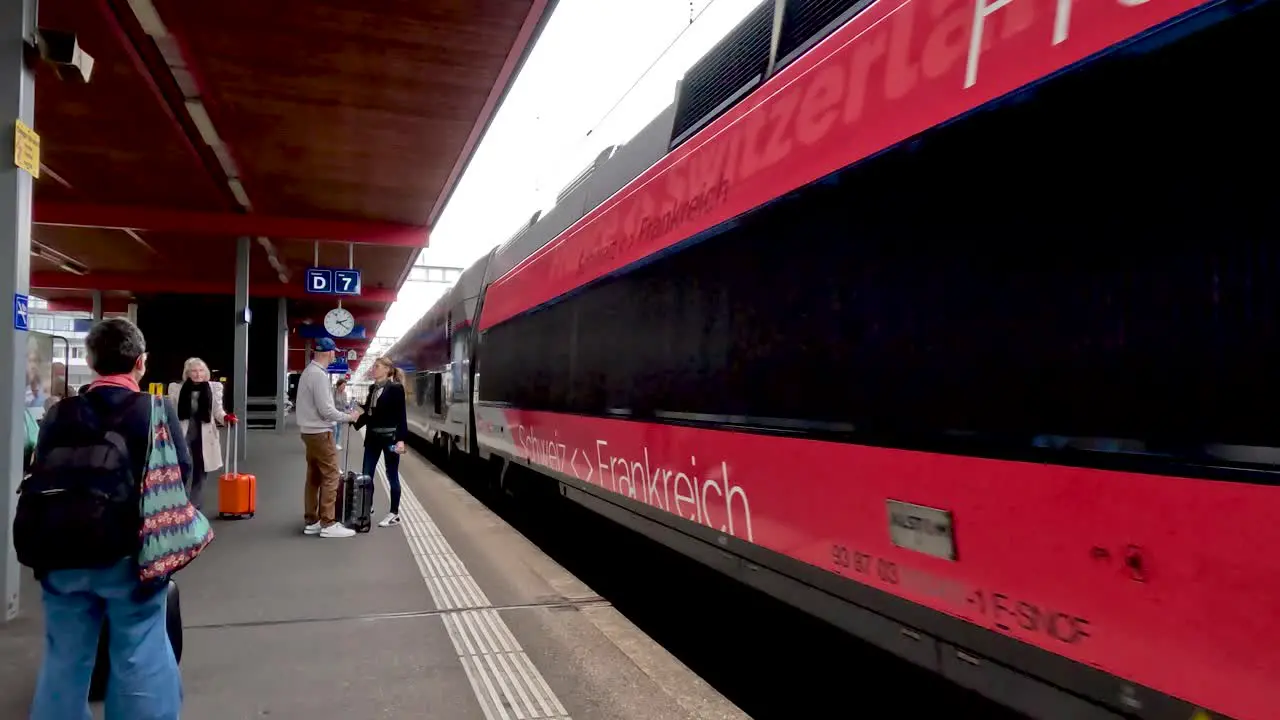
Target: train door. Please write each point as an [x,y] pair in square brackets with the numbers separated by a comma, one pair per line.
[458,367]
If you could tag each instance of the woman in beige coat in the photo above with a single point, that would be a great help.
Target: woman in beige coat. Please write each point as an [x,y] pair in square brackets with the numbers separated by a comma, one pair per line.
[200,412]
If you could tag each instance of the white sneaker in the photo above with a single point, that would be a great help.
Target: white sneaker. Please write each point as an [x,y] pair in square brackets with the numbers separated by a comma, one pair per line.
[389,520]
[312,529]
[337,530]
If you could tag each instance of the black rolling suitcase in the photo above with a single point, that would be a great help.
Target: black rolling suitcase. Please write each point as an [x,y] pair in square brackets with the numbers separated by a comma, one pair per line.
[355,497]
[102,667]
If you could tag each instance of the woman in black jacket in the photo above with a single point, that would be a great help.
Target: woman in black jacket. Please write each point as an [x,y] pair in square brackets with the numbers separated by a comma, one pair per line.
[384,415]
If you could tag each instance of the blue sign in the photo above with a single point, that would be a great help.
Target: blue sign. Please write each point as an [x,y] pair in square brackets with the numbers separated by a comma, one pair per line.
[320,281]
[331,281]
[21,320]
[346,282]
[312,331]
[339,366]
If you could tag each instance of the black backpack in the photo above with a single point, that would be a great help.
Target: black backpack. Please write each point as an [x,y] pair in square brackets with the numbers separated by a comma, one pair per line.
[79,507]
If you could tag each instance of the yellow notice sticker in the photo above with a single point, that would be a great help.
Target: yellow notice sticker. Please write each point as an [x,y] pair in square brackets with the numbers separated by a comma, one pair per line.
[26,148]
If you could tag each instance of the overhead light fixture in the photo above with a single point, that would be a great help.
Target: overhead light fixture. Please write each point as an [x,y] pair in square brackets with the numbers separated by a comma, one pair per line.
[148,18]
[65,262]
[237,189]
[204,124]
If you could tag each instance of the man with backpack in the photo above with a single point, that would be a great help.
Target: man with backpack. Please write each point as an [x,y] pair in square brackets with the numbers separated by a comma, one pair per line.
[78,526]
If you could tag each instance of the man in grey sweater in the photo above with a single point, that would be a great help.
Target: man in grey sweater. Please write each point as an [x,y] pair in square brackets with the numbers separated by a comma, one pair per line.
[316,415]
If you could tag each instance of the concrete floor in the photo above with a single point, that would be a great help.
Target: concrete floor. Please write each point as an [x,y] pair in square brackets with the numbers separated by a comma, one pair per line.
[452,615]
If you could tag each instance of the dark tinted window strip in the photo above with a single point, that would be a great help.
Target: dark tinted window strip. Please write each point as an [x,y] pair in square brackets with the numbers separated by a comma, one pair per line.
[975,447]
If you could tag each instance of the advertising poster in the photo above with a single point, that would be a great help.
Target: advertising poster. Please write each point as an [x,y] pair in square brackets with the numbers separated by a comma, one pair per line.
[46,380]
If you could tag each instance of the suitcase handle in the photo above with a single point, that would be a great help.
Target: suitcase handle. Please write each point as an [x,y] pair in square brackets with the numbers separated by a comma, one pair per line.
[230,455]
[346,450]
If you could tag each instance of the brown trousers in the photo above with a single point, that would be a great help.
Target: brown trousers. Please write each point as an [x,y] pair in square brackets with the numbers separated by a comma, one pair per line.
[321,498]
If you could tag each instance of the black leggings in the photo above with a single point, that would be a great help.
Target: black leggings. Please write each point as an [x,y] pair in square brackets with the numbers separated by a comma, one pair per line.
[373,448]
[195,443]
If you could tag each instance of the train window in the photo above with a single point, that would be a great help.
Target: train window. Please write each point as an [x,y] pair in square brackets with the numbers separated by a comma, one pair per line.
[1116,282]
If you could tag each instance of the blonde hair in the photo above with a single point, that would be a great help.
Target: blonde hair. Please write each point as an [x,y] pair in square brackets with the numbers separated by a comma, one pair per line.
[193,363]
[393,372]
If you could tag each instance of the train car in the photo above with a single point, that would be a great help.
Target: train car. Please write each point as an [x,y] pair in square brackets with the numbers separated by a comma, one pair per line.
[438,365]
[953,322]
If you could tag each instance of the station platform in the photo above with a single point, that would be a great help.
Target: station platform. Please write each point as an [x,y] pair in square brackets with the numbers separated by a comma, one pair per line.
[453,615]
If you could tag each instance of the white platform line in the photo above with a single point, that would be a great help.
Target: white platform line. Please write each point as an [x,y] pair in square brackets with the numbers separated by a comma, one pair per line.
[504,679]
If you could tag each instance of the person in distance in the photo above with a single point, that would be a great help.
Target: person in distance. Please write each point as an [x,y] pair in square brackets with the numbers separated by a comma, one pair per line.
[384,414]
[200,412]
[316,415]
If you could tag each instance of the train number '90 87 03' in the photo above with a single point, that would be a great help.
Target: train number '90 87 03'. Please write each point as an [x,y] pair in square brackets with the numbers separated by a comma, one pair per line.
[864,564]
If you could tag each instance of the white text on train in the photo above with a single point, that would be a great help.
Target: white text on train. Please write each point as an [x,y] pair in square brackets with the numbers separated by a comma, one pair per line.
[982,9]
[712,500]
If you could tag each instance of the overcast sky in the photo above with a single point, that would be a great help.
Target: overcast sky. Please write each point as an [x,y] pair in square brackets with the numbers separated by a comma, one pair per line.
[561,112]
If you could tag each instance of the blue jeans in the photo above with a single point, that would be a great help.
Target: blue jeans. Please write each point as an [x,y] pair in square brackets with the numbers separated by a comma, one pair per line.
[372,449]
[144,683]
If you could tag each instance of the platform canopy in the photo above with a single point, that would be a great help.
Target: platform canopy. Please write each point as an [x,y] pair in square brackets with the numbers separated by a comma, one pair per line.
[288,121]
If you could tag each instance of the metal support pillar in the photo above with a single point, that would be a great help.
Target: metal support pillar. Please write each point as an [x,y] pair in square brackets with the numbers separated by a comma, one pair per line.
[240,359]
[97,306]
[17,102]
[132,313]
[282,360]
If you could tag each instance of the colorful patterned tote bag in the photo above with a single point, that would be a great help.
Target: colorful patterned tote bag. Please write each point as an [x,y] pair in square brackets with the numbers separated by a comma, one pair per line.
[173,531]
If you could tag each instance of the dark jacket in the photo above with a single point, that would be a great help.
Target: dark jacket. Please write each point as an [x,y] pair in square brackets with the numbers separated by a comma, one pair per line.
[134,411]
[388,413]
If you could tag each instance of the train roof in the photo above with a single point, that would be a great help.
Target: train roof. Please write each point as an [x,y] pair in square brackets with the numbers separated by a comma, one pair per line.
[722,77]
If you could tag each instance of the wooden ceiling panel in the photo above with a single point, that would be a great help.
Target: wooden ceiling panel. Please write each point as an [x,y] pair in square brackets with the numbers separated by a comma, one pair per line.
[98,250]
[111,140]
[339,109]
[330,109]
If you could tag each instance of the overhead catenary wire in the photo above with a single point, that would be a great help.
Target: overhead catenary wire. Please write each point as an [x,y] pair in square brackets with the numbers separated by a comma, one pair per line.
[692,19]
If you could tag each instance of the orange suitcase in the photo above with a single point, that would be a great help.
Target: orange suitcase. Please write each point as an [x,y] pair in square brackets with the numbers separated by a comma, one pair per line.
[237,491]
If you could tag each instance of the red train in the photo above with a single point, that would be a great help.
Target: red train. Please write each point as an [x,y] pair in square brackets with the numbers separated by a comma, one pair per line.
[953,322]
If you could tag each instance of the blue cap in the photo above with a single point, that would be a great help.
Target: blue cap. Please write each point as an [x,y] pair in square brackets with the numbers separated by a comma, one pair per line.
[326,345]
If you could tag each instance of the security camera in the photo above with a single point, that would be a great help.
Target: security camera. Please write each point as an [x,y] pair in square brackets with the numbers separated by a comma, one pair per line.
[62,50]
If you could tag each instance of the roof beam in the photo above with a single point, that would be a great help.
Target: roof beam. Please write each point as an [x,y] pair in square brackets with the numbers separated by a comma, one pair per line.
[150,284]
[129,217]
[109,305]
